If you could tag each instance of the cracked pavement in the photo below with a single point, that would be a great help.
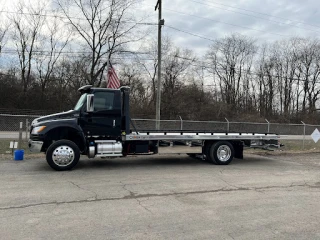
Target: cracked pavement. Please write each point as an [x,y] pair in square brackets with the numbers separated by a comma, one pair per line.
[166,196]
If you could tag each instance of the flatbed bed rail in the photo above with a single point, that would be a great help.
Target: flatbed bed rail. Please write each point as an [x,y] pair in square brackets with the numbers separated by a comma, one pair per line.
[197,136]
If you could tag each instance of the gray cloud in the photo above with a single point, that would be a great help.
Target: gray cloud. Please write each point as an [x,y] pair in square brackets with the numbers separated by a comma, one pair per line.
[224,19]
[295,10]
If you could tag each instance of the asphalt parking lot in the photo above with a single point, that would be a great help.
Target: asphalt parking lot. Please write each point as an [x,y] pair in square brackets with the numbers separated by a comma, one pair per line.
[162,197]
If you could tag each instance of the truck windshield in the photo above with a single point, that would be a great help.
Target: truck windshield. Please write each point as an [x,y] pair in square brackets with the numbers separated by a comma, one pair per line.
[80,101]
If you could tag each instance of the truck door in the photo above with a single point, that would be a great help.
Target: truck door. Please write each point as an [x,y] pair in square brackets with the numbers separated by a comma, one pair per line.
[106,118]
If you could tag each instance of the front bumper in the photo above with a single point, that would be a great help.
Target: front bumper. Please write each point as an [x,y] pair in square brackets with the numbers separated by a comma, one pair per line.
[35,146]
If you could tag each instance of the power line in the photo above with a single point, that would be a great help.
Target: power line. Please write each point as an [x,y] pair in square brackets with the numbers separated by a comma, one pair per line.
[271,75]
[63,17]
[265,14]
[121,58]
[205,65]
[250,15]
[231,24]
[75,52]
[192,34]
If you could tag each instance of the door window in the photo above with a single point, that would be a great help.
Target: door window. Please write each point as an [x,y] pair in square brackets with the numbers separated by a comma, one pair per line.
[103,101]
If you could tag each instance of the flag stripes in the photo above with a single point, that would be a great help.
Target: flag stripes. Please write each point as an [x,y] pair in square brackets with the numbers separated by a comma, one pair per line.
[113,80]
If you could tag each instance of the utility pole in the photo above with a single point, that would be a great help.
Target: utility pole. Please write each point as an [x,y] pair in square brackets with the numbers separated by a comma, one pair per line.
[158,102]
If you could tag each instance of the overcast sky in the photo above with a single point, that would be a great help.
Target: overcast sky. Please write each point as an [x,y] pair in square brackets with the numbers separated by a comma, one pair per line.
[268,20]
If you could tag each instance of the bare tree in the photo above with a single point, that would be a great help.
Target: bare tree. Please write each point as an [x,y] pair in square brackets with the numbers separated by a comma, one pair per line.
[176,63]
[288,76]
[309,71]
[150,65]
[67,77]
[131,75]
[103,26]
[266,82]
[3,31]
[285,61]
[4,26]
[53,45]
[230,59]
[27,23]
[175,76]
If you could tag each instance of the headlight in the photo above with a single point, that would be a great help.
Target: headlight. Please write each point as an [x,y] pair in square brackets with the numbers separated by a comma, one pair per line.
[37,130]
[34,122]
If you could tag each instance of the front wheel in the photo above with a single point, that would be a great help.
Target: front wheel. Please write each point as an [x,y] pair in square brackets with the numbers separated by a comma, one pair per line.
[221,153]
[63,155]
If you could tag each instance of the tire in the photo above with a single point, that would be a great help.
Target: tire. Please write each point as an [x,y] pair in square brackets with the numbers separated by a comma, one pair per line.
[63,155]
[221,153]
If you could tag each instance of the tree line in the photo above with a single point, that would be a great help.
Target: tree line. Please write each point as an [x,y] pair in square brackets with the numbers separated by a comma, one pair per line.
[45,56]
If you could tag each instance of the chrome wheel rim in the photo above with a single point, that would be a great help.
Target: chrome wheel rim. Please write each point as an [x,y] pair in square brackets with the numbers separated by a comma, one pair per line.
[224,153]
[63,156]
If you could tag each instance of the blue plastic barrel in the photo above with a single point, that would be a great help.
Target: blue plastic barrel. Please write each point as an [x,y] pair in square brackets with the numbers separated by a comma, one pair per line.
[18,155]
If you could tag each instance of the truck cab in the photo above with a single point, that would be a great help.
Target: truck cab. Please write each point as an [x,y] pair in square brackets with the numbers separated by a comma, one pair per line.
[94,126]
[104,116]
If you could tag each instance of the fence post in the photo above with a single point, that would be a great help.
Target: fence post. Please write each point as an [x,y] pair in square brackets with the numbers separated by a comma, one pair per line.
[181,123]
[20,135]
[27,128]
[268,125]
[304,134]
[228,124]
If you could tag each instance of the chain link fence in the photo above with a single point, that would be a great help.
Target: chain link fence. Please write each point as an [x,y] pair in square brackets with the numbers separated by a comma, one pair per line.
[10,127]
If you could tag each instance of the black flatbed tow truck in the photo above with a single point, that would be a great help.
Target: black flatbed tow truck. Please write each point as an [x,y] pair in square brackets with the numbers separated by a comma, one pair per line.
[99,127]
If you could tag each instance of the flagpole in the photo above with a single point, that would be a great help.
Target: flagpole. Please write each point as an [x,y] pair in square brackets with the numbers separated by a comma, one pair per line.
[108,61]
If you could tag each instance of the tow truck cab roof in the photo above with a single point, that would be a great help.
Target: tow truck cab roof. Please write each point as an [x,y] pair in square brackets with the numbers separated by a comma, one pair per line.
[85,88]
[90,88]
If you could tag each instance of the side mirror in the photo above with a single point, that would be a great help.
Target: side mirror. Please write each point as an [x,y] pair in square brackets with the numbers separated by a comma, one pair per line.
[90,105]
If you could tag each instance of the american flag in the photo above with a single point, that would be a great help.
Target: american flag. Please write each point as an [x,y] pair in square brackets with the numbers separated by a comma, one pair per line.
[113,80]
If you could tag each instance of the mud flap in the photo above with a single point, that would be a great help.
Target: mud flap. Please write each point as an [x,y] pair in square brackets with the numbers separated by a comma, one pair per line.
[238,150]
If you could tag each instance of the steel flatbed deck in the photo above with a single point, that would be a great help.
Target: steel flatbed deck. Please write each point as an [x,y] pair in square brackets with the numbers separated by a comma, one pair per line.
[197,136]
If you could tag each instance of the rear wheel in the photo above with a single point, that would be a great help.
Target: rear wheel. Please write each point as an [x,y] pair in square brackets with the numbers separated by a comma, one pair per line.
[220,153]
[63,155]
